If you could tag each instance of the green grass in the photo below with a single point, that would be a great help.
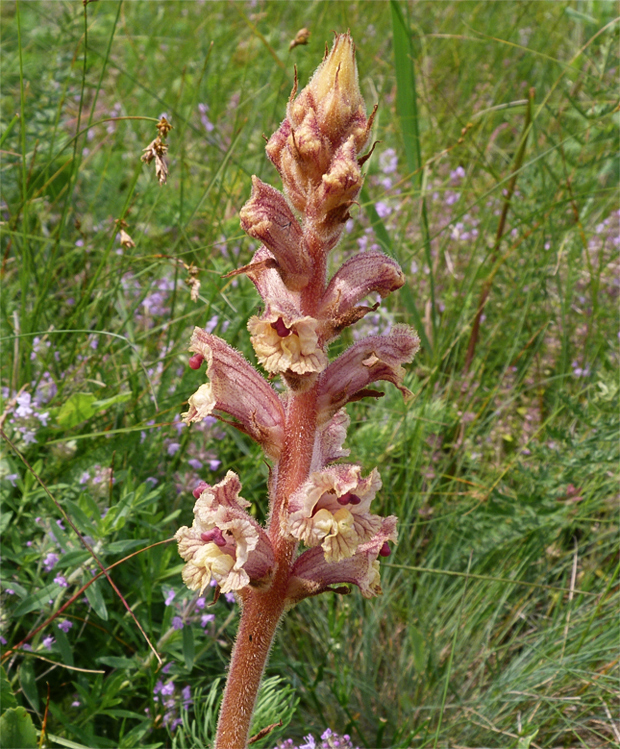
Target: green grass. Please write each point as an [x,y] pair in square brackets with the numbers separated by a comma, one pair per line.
[498,623]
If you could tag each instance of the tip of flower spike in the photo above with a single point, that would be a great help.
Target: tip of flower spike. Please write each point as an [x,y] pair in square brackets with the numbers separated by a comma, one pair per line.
[196,360]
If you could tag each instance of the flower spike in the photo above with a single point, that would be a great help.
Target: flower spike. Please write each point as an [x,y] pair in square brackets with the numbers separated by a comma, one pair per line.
[321,535]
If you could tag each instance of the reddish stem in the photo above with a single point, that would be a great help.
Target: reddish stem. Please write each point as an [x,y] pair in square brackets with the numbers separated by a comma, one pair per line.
[262,610]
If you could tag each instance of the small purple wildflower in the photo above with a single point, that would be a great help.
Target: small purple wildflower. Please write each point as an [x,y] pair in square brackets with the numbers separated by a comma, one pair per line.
[457,175]
[177,623]
[173,448]
[186,696]
[62,581]
[212,324]
[65,625]
[48,641]
[50,561]
[383,209]
[206,122]
[169,597]
[24,410]
[206,618]
[168,688]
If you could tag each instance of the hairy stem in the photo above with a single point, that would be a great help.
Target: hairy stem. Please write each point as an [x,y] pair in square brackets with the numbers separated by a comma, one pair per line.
[262,610]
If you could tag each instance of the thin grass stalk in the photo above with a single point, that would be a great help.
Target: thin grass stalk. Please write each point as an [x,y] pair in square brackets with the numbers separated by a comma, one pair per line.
[501,226]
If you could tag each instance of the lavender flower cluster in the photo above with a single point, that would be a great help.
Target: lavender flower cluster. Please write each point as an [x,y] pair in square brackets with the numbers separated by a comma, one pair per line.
[329,740]
[167,698]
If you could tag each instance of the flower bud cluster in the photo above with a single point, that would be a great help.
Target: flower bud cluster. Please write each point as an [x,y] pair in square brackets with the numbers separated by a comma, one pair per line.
[321,504]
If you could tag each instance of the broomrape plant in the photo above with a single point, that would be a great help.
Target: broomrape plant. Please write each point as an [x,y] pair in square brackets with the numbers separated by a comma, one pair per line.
[315,503]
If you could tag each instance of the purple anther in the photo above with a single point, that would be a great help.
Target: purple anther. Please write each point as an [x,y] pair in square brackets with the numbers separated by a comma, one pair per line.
[280,328]
[199,489]
[196,360]
[348,499]
[385,550]
[214,536]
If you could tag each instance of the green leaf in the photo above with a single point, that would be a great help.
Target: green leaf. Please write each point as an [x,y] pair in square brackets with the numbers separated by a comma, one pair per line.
[77,408]
[5,518]
[66,651]
[525,741]
[127,544]
[116,661]
[95,598]
[65,742]
[80,518]
[113,401]
[406,99]
[418,644]
[7,698]
[17,730]
[28,683]
[188,647]
[38,600]
[80,407]
[74,558]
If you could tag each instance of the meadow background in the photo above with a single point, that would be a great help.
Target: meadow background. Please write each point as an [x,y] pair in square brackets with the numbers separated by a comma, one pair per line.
[495,186]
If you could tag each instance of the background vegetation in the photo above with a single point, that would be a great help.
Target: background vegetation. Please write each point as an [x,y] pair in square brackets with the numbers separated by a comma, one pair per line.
[495,186]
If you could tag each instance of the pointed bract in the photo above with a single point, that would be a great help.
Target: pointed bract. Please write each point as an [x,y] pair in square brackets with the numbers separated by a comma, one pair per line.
[373,359]
[237,389]
[363,274]
[313,574]
[267,217]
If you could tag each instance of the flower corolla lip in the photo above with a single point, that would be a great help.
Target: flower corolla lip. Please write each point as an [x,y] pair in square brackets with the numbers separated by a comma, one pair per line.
[331,509]
[238,390]
[312,574]
[240,554]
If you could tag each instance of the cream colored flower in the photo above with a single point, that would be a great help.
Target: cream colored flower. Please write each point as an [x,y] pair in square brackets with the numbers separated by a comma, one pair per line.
[331,510]
[285,344]
[224,542]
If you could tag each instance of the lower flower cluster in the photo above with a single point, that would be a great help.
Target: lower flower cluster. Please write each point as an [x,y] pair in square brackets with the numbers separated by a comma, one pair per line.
[330,514]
